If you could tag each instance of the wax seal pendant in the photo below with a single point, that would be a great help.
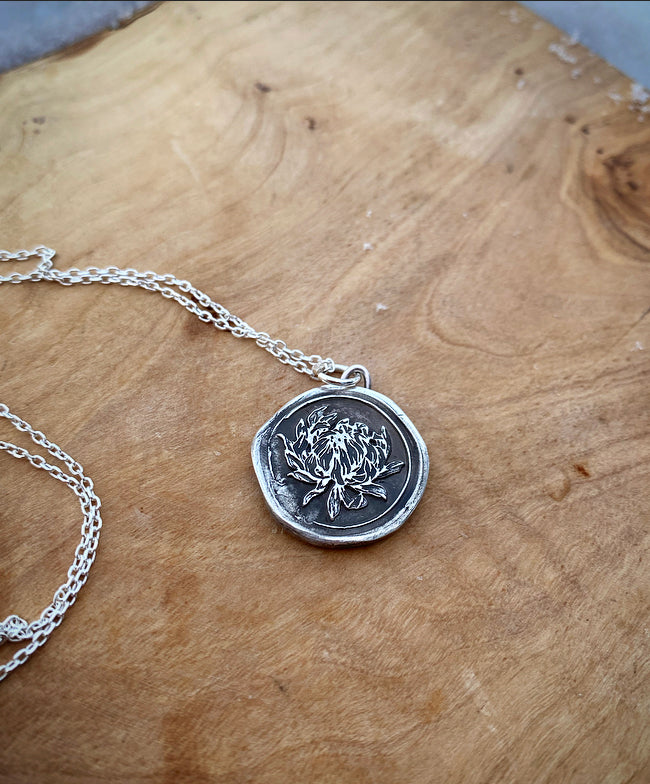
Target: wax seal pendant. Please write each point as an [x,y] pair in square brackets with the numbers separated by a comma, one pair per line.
[341,466]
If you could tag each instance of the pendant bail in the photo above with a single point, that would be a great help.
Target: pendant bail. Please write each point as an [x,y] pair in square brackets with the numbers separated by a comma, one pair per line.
[350,376]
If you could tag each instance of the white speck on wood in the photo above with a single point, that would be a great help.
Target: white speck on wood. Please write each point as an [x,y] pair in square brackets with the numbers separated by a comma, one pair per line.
[576,73]
[178,150]
[638,346]
[369,214]
[380,306]
[616,97]
[367,246]
[638,93]
[521,84]
[480,698]
[573,40]
[559,50]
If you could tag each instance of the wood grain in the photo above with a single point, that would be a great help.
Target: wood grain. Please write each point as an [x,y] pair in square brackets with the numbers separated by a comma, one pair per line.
[254,148]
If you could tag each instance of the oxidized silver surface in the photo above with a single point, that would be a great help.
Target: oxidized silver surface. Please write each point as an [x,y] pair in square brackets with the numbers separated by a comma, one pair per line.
[341,467]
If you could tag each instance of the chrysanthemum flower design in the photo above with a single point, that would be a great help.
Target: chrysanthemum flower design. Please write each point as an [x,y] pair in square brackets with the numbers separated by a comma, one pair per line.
[343,457]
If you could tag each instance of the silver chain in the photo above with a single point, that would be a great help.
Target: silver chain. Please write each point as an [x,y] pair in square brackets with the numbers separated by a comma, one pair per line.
[14,628]
[188,296]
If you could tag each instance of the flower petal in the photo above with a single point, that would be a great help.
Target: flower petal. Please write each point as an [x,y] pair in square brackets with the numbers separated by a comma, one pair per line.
[390,468]
[301,429]
[303,476]
[290,457]
[376,490]
[353,499]
[315,415]
[334,501]
[320,487]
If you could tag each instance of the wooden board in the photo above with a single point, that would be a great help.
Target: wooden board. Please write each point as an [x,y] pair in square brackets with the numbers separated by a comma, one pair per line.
[255,149]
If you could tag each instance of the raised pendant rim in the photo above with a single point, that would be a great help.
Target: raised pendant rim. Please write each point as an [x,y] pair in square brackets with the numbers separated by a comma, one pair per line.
[259,452]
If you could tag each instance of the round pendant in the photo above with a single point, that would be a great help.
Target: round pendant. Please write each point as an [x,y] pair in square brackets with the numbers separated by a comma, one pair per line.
[341,467]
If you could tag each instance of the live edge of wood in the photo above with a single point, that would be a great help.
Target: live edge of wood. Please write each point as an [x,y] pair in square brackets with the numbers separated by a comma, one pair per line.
[427,189]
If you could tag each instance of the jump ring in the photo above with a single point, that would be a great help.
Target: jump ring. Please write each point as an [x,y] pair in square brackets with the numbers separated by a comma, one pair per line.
[351,375]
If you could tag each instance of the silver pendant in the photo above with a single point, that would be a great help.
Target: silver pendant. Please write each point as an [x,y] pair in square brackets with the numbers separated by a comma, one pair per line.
[341,467]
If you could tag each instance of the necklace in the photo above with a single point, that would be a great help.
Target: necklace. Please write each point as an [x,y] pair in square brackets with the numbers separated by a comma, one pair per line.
[338,466]
[14,628]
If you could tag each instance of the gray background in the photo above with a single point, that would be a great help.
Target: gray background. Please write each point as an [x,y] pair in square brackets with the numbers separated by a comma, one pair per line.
[29,30]
[617,31]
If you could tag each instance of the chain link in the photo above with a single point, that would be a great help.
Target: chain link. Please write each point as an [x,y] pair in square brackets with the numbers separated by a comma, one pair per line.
[14,628]
[171,287]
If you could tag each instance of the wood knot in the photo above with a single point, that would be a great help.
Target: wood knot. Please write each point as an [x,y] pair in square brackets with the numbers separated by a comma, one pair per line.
[617,186]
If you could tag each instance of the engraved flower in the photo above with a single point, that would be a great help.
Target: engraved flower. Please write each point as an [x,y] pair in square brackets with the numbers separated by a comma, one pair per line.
[345,458]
